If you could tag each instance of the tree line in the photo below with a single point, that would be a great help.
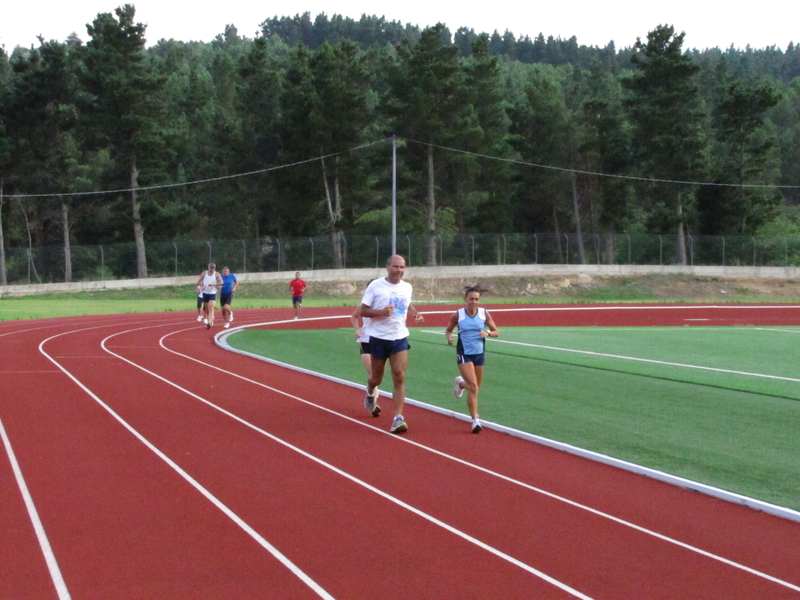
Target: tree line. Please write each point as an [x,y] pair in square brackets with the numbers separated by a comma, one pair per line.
[293,132]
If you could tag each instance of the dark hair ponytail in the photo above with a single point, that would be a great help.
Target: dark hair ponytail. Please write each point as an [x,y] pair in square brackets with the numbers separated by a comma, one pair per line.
[472,288]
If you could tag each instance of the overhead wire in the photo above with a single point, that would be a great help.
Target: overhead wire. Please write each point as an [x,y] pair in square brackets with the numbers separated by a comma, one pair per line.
[440,147]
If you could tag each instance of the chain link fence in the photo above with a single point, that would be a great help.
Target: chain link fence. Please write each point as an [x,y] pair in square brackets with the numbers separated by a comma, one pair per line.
[165,259]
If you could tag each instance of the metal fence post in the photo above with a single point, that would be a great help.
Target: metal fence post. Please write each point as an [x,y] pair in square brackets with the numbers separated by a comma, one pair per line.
[244,257]
[102,264]
[176,258]
[473,249]
[312,252]
[629,248]
[597,248]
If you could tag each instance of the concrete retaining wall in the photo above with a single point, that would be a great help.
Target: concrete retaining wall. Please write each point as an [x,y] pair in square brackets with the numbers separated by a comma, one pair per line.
[476,272]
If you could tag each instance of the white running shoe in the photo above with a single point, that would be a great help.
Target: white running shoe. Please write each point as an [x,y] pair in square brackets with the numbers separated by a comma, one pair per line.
[371,405]
[199,318]
[398,425]
[205,321]
[458,391]
[226,325]
[231,319]
[476,425]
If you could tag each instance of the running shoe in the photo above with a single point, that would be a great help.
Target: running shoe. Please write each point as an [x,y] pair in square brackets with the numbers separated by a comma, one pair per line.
[231,319]
[458,391]
[199,318]
[371,405]
[398,425]
[226,325]
[208,325]
[476,425]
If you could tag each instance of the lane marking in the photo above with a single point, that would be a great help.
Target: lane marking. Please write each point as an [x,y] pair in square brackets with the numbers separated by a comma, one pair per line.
[430,449]
[573,503]
[759,505]
[352,478]
[194,483]
[33,514]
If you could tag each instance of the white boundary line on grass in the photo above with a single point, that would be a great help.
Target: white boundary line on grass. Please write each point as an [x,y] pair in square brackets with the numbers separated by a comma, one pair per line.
[633,358]
[638,307]
[787,513]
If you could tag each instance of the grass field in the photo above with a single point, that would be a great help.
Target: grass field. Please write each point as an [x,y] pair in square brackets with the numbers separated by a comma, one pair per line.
[641,288]
[168,299]
[718,405]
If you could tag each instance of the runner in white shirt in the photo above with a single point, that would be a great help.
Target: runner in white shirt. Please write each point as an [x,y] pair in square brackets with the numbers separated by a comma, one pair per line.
[208,284]
[361,327]
[387,303]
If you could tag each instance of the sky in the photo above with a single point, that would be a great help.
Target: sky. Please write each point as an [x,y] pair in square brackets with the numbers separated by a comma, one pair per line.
[592,22]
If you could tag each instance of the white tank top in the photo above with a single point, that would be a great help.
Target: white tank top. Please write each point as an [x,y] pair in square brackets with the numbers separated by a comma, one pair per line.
[209,283]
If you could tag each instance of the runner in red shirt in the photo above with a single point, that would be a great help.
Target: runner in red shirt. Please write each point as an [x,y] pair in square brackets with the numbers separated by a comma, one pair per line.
[298,286]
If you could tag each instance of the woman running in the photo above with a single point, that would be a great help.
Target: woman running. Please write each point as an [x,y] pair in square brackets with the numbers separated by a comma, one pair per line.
[472,322]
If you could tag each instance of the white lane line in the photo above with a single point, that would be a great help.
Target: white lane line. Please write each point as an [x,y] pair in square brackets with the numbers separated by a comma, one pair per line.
[338,471]
[194,483]
[633,359]
[479,468]
[759,505]
[659,307]
[577,308]
[41,535]
[68,321]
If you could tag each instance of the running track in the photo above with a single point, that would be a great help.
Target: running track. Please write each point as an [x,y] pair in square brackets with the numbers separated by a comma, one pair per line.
[139,460]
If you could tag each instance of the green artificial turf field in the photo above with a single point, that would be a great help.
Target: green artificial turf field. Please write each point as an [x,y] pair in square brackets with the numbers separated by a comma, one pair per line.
[717,405]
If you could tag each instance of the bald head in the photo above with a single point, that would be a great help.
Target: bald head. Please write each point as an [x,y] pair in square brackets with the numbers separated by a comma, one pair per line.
[395,268]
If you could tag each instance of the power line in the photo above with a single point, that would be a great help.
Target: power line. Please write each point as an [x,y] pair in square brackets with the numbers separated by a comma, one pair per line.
[630,177]
[466,152]
[196,182]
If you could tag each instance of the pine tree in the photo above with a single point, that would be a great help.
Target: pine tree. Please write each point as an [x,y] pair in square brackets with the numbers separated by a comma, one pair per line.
[669,140]
[126,107]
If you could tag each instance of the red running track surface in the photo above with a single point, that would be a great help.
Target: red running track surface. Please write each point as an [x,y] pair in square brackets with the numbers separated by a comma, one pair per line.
[142,461]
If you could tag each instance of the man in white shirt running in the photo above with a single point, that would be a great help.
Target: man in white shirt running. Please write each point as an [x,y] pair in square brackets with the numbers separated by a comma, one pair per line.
[387,303]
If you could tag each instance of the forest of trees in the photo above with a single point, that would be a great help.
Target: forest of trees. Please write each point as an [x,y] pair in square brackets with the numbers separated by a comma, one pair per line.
[291,134]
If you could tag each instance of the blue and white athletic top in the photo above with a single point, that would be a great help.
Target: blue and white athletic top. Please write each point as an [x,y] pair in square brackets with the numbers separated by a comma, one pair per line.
[469,332]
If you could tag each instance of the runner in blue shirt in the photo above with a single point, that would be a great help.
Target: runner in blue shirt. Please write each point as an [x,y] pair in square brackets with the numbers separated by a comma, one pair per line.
[472,322]
[229,286]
